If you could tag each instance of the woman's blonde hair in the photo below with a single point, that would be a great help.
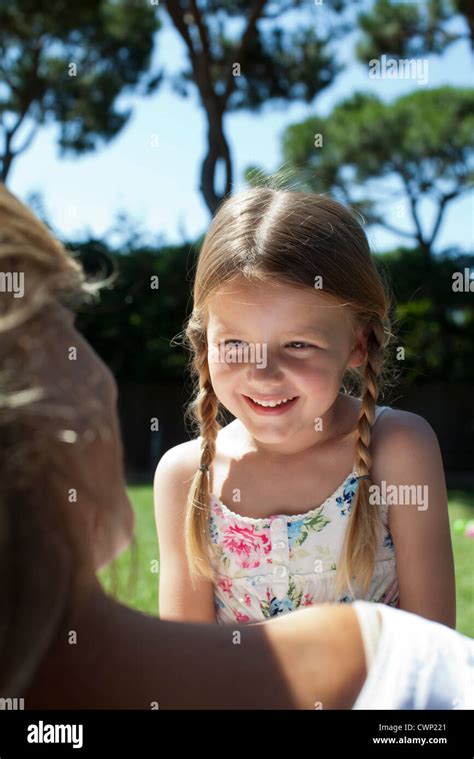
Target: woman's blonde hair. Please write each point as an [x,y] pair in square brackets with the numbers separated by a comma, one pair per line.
[40,553]
[266,234]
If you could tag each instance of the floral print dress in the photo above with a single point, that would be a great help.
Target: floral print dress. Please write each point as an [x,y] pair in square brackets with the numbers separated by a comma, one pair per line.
[270,566]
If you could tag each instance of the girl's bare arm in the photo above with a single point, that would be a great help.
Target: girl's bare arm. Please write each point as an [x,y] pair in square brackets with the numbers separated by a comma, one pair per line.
[408,459]
[179,600]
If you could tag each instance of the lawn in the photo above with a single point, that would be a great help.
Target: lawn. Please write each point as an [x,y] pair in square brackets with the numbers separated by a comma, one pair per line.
[143,593]
[461,509]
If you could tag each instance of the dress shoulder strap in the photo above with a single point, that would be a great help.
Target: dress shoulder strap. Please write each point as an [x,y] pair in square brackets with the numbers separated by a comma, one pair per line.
[378,413]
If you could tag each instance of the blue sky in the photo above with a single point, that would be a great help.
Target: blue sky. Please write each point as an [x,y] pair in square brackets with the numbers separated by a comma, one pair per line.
[157,184]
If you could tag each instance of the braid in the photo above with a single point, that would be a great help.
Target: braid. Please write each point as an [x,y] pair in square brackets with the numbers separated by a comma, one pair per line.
[358,553]
[205,409]
[369,398]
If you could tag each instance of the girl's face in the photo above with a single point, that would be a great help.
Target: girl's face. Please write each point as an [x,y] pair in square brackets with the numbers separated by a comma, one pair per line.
[272,343]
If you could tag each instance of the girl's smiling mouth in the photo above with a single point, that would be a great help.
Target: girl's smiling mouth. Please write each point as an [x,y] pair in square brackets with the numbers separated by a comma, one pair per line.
[281,407]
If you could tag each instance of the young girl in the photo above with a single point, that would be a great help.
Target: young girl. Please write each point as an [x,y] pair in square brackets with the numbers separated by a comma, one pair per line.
[287,505]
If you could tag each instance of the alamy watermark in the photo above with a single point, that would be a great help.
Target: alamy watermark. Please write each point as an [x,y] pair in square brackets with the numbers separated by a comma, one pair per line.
[234,352]
[13,282]
[47,733]
[462,281]
[399,495]
[403,68]
[12,704]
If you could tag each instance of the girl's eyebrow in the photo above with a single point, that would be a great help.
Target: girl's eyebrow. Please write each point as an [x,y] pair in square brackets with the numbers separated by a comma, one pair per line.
[307,329]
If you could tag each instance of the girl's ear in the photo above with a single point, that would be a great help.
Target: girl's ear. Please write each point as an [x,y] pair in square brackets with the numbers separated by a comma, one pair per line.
[359,347]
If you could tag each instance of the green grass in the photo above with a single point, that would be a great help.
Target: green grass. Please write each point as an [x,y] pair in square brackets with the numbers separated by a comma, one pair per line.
[461,509]
[144,593]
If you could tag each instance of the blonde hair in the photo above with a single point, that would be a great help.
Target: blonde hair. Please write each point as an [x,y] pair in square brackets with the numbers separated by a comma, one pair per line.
[41,554]
[262,234]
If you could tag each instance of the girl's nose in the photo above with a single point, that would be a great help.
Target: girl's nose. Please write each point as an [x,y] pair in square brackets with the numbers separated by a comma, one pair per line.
[267,371]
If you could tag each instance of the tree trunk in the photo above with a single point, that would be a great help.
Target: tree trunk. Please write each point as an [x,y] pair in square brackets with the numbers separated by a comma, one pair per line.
[217,148]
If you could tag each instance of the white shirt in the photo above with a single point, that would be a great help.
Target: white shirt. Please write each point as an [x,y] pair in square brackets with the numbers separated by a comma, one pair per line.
[416,663]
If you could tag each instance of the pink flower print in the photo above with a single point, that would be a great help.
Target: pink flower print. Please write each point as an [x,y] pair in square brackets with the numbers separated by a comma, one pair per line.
[248,546]
[390,593]
[307,600]
[241,617]
[225,584]
[247,599]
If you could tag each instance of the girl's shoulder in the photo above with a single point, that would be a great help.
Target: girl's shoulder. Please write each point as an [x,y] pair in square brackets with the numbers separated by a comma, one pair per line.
[180,462]
[401,436]
[392,428]
[397,427]
[183,460]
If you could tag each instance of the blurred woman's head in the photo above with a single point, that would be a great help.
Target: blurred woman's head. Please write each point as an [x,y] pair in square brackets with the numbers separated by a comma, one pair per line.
[64,511]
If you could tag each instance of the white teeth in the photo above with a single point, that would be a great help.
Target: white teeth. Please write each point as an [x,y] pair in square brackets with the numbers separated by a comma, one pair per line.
[272,404]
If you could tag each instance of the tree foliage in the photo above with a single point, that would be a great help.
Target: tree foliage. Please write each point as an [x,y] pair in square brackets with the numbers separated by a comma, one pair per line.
[406,29]
[423,143]
[68,63]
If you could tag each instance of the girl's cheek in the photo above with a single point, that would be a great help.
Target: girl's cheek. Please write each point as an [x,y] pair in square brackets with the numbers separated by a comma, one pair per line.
[317,378]
[217,373]
[318,370]
[223,370]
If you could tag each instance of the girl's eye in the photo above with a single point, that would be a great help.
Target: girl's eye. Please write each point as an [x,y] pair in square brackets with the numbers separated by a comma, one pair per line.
[305,345]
